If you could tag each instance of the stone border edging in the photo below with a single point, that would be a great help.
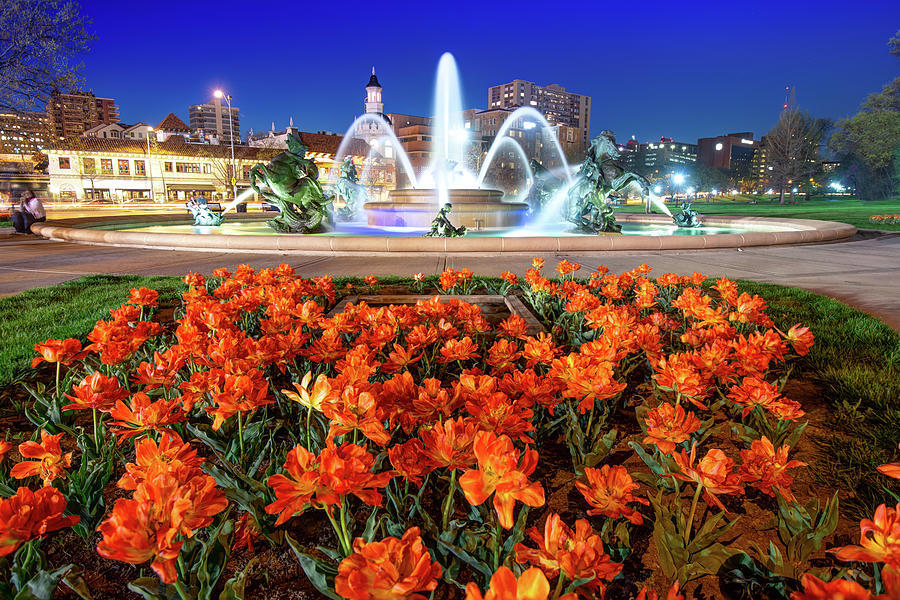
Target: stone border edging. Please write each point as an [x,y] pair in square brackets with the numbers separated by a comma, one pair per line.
[80,231]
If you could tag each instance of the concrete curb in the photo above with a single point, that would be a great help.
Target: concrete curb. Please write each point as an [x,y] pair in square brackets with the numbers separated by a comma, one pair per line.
[83,231]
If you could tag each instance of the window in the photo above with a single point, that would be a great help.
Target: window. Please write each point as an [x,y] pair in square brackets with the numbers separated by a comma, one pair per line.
[207,168]
[89,165]
[167,167]
[64,162]
[246,169]
[123,167]
[140,168]
[106,166]
[187,167]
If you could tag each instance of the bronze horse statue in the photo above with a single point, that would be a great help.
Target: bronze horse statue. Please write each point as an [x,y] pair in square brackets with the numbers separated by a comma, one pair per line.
[599,177]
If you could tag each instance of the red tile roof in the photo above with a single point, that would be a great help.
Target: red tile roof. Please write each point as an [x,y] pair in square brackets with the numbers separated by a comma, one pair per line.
[173,123]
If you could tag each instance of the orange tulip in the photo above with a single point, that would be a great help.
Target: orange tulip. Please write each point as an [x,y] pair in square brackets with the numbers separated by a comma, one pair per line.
[150,457]
[410,461]
[713,472]
[531,585]
[890,469]
[514,326]
[449,444]
[293,494]
[143,297]
[144,415]
[239,393]
[463,349]
[58,351]
[678,373]
[672,594]
[501,473]
[541,349]
[577,554]
[246,532]
[392,569]
[800,338]
[753,392]
[836,589]
[28,515]
[764,468]
[356,410]
[668,426]
[162,371]
[5,447]
[96,391]
[565,267]
[609,491]
[51,463]
[879,539]
[499,414]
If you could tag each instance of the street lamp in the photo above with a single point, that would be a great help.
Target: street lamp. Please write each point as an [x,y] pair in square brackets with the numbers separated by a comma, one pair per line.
[150,162]
[220,94]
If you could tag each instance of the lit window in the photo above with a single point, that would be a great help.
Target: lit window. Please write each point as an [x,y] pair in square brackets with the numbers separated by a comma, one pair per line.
[64,162]
[140,168]
[123,167]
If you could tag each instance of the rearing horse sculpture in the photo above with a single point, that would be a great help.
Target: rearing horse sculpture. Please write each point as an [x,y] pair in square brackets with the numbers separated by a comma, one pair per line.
[599,177]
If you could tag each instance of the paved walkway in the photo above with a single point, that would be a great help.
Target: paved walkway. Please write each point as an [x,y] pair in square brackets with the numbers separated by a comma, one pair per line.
[864,273]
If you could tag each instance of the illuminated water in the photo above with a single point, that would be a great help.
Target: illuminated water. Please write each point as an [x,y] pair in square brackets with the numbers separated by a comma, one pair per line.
[557,230]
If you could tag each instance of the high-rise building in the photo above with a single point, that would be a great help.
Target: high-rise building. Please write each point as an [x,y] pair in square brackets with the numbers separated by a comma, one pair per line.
[73,114]
[23,132]
[211,119]
[732,152]
[657,160]
[557,105]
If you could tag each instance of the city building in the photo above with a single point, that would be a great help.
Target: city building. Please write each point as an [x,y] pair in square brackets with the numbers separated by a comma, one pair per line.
[124,170]
[23,133]
[732,152]
[170,127]
[656,160]
[119,131]
[212,119]
[557,105]
[73,114]
[272,138]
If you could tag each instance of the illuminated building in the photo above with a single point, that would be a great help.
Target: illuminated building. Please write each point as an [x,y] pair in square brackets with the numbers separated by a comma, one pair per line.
[557,105]
[211,119]
[116,170]
[732,152]
[23,132]
[655,160]
[73,114]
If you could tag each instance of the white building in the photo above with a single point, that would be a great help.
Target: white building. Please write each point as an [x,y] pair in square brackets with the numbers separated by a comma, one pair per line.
[115,170]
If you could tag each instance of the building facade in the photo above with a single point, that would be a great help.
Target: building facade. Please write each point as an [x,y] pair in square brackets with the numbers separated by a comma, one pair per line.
[72,114]
[115,170]
[120,131]
[23,133]
[732,152]
[656,160]
[558,106]
[212,119]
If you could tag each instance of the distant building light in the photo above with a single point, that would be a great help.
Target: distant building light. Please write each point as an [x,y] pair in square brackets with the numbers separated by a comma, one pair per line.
[529,125]
[745,141]
[719,146]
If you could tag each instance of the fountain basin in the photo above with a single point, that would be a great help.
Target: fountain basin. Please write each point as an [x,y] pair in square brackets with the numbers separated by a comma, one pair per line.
[250,234]
[474,208]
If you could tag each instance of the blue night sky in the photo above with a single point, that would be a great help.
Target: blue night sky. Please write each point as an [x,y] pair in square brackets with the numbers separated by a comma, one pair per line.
[679,69]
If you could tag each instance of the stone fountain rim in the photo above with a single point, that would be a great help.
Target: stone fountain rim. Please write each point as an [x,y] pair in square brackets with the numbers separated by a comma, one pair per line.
[79,230]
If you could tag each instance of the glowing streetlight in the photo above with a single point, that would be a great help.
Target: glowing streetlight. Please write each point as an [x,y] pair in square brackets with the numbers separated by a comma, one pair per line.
[714,191]
[150,162]
[657,189]
[678,178]
[220,94]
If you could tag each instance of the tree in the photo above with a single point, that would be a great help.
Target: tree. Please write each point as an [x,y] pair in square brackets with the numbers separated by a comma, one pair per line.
[706,179]
[869,141]
[793,148]
[38,40]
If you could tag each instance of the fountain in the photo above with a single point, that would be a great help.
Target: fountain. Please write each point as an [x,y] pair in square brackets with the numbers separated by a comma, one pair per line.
[564,211]
[447,180]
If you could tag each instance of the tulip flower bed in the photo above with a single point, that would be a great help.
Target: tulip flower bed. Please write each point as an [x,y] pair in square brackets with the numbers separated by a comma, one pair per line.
[250,446]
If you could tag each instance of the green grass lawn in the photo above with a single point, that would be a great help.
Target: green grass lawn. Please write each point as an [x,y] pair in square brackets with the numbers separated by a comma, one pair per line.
[839,208]
[855,362]
[63,311]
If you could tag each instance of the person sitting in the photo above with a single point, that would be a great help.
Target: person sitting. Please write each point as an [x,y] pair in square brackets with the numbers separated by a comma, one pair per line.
[29,211]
